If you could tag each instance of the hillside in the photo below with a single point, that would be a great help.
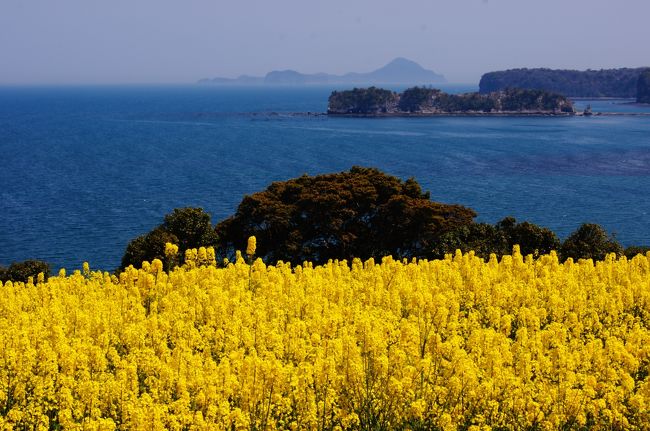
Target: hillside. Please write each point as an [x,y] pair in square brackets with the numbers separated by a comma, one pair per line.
[571,83]
[643,88]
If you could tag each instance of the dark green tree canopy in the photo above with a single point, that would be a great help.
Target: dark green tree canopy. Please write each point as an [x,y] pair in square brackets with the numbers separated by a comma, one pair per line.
[590,241]
[376,101]
[21,271]
[148,247]
[413,99]
[499,239]
[191,226]
[187,227]
[532,239]
[633,250]
[482,238]
[360,213]
[362,101]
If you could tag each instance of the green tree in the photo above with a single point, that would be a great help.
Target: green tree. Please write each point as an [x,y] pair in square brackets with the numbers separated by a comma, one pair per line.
[187,227]
[590,241]
[148,247]
[484,239]
[532,239]
[21,271]
[192,227]
[360,213]
[415,98]
[363,101]
[481,238]
[633,250]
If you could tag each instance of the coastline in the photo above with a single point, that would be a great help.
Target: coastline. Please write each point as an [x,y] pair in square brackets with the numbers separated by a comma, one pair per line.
[581,98]
[490,114]
[455,114]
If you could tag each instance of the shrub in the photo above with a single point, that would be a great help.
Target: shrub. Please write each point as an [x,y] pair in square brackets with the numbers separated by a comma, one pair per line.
[499,239]
[632,251]
[192,227]
[361,213]
[532,239]
[148,247]
[21,271]
[187,227]
[590,241]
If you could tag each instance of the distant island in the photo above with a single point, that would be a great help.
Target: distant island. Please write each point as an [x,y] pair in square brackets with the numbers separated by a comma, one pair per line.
[643,88]
[398,71]
[622,83]
[422,101]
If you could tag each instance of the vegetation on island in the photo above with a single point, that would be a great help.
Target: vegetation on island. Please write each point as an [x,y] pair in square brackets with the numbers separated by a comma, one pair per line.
[363,101]
[643,87]
[423,100]
[571,83]
[416,98]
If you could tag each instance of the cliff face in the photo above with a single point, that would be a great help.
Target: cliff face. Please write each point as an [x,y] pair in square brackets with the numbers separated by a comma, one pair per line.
[571,83]
[419,100]
[643,88]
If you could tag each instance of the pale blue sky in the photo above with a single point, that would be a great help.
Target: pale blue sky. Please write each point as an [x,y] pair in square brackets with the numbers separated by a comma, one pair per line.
[165,41]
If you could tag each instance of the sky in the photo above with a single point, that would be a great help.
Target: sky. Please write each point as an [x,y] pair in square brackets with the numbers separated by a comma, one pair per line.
[181,41]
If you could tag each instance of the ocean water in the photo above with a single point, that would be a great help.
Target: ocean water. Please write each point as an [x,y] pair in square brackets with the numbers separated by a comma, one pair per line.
[86,169]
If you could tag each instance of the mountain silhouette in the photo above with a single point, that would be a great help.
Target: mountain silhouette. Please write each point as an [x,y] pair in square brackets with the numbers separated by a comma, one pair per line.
[398,71]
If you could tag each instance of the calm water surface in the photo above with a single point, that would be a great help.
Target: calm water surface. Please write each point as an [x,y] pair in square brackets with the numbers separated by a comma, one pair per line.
[86,169]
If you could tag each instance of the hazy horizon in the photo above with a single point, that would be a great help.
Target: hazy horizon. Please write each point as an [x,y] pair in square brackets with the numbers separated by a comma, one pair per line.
[163,41]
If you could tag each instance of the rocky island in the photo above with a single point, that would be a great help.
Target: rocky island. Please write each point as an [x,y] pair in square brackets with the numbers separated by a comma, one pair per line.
[422,101]
[643,88]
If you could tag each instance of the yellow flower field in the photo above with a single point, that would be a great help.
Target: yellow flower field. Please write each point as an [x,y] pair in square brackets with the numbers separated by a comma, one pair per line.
[459,343]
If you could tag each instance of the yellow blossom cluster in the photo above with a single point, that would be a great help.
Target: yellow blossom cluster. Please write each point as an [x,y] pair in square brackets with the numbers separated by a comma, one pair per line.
[452,344]
[251,246]
[200,257]
[171,250]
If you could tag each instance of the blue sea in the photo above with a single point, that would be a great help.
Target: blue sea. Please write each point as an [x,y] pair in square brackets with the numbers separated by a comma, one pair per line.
[86,169]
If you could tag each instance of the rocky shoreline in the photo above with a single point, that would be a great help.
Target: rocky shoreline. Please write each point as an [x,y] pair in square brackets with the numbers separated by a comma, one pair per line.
[443,114]
[489,114]
[457,114]
[308,114]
